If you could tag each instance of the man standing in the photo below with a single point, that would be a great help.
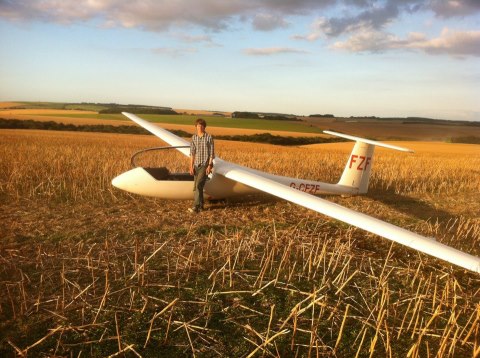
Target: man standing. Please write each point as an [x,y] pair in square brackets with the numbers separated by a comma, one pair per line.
[202,153]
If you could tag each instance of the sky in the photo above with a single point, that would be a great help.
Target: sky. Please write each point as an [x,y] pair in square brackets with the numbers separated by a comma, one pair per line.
[386,58]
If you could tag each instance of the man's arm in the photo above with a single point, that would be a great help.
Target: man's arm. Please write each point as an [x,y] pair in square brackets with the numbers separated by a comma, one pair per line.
[211,156]
[192,157]
[192,170]
[212,151]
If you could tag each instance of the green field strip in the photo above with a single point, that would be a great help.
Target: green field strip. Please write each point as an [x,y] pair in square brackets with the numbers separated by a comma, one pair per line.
[261,124]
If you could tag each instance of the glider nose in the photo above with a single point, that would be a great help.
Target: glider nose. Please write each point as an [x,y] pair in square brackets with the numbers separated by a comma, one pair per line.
[122,181]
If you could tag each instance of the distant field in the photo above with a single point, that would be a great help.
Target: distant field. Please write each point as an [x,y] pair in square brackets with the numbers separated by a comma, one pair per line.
[48,112]
[216,125]
[9,104]
[372,128]
[53,105]
[396,130]
[212,121]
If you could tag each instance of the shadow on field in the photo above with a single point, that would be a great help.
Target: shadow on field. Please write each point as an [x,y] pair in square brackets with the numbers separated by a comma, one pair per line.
[404,204]
[408,205]
[244,201]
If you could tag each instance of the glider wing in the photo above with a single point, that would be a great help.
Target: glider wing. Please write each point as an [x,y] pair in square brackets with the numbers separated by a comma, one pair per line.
[166,136]
[427,245]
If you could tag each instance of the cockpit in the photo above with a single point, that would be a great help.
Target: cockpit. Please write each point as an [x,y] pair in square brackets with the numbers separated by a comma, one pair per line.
[162,172]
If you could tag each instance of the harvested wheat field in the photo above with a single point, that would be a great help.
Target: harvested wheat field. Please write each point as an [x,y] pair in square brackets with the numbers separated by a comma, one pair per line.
[61,116]
[9,104]
[88,270]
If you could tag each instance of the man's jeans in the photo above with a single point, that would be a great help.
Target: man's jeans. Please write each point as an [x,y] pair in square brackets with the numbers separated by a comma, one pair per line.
[198,184]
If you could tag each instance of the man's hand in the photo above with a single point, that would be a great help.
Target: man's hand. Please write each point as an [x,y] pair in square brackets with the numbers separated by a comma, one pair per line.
[192,170]
[209,169]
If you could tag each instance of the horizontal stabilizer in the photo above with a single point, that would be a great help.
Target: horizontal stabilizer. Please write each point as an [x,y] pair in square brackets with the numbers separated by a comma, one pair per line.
[373,142]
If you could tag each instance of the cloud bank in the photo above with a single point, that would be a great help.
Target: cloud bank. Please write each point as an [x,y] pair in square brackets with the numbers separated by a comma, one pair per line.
[455,43]
[159,15]
[365,27]
[264,15]
[350,25]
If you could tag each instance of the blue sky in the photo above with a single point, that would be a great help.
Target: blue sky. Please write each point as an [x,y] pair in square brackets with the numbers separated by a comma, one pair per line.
[348,57]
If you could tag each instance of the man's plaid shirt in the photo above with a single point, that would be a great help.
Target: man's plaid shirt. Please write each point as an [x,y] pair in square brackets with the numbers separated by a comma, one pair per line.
[202,148]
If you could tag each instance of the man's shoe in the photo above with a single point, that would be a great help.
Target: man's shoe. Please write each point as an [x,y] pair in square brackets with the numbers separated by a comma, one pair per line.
[193,210]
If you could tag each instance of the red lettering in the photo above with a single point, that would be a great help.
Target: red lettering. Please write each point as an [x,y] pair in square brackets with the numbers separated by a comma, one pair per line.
[367,162]
[361,162]
[359,166]
[306,187]
[352,160]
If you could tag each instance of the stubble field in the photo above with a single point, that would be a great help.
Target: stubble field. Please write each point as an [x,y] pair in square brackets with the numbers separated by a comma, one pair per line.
[87,270]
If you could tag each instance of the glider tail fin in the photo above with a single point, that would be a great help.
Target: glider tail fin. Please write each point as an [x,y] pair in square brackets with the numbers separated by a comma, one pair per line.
[357,170]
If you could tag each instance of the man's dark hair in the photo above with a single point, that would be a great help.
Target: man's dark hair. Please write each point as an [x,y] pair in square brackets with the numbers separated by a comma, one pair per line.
[201,121]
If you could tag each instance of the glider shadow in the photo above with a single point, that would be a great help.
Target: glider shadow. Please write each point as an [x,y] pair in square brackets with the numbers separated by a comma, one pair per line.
[409,205]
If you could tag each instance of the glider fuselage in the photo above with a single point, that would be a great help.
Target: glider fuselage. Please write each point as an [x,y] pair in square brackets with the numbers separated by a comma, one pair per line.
[179,186]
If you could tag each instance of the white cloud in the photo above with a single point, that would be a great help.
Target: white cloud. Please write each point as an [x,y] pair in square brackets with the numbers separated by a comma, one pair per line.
[452,8]
[365,14]
[272,51]
[375,16]
[204,40]
[368,41]
[50,10]
[454,43]
[371,17]
[194,38]
[268,22]
[364,22]
[159,15]
[265,15]
[316,31]
[173,51]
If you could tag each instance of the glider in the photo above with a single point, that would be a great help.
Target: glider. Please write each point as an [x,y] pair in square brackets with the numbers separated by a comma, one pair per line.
[229,179]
